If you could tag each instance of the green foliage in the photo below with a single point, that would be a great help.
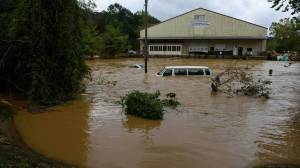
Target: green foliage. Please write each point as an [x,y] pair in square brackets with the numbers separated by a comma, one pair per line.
[287,5]
[6,16]
[91,40]
[113,42]
[285,36]
[271,44]
[43,56]
[171,100]
[146,105]
[6,112]
[252,87]
[239,82]
[124,20]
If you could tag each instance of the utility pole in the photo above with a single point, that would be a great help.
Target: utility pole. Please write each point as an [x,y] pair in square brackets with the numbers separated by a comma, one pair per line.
[146,53]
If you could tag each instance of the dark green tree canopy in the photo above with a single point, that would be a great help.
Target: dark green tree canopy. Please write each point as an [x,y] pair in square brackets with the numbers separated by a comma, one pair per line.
[286,5]
[123,19]
[285,35]
[42,57]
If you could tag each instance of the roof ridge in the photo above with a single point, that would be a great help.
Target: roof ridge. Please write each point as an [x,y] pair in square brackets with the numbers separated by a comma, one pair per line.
[208,11]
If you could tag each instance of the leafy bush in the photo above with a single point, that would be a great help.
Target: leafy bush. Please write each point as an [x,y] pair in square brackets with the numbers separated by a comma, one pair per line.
[148,105]
[171,100]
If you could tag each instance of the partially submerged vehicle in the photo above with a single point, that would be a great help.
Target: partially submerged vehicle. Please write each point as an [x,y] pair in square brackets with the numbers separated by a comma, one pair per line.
[137,66]
[185,71]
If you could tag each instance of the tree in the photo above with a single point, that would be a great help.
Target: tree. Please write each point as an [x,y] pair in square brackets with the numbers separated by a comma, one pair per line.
[46,61]
[293,5]
[91,40]
[6,16]
[123,19]
[113,42]
[285,36]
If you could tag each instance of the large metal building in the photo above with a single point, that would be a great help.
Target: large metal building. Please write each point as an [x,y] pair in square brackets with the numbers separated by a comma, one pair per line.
[202,31]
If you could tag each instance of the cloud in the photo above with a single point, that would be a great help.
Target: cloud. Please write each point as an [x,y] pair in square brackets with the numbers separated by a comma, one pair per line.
[256,11]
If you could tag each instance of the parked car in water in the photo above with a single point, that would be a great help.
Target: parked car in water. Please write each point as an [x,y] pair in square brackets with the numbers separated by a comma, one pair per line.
[185,71]
[137,66]
[132,52]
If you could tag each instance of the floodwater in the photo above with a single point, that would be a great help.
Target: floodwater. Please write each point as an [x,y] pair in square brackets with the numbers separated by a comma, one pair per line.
[207,130]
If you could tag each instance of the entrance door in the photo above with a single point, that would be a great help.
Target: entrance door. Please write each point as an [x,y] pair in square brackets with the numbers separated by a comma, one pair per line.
[240,51]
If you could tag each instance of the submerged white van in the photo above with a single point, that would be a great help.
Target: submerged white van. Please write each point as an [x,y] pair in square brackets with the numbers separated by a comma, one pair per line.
[185,71]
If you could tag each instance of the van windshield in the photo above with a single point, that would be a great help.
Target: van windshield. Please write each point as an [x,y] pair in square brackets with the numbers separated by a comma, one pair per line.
[161,71]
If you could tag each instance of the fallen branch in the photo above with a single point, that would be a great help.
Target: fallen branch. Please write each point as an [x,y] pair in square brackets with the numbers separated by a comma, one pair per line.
[239,81]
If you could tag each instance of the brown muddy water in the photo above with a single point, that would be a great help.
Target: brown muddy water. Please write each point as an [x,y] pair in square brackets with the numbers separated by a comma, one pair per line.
[207,130]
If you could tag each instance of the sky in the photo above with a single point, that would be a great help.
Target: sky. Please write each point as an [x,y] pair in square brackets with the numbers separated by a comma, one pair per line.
[255,11]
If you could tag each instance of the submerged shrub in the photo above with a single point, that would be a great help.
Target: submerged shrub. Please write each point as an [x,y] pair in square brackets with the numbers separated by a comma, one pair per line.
[171,100]
[145,105]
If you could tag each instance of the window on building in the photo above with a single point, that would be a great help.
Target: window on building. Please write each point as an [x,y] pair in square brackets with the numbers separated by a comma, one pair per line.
[160,48]
[164,48]
[173,48]
[249,49]
[199,17]
[178,48]
[180,72]
[169,48]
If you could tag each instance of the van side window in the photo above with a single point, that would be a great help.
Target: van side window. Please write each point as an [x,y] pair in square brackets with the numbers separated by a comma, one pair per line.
[207,72]
[168,72]
[193,72]
[180,72]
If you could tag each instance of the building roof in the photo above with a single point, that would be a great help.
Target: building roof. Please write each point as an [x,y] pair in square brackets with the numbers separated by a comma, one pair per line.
[212,12]
[208,38]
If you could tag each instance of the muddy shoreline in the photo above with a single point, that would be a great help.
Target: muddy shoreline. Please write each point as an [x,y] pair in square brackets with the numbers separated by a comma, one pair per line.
[16,153]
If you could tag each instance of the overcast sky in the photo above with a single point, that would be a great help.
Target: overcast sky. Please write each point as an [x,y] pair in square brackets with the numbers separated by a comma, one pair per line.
[256,11]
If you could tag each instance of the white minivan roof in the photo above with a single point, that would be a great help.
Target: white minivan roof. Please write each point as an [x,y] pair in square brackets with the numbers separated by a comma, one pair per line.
[186,67]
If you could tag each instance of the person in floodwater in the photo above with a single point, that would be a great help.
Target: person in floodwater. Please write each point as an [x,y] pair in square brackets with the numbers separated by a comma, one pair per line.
[214,85]
[216,82]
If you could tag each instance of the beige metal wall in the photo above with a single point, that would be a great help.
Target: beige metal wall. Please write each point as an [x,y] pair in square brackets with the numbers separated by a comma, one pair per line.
[257,46]
[219,25]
